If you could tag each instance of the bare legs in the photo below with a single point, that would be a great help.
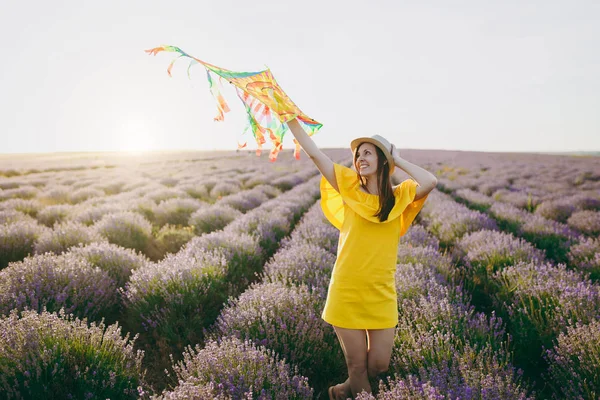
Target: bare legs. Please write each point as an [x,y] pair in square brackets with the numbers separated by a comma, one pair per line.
[367,354]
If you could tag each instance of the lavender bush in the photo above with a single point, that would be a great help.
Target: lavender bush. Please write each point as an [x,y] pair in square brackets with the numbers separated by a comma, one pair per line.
[553,237]
[117,261]
[314,229]
[558,210]
[586,222]
[54,213]
[586,200]
[17,240]
[245,200]
[242,369]
[83,194]
[430,256]
[539,301]
[171,302]
[417,236]
[286,320]
[29,207]
[508,217]
[301,263]
[65,235]
[287,182]
[409,388]
[193,389]
[242,252]
[268,190]
[21,192]
[442,340]
[585,256]
[170,239]
[9,216]
[176,211]
[224,188]
[51,355]
[268,225]
[54,282]
[197,191]
[483,253]
[126,228]
[574,363]
[161,193]
[88,214]
[449,221]
[213,218]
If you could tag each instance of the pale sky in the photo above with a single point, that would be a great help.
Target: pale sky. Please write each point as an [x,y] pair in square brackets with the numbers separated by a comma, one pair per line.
[459,75]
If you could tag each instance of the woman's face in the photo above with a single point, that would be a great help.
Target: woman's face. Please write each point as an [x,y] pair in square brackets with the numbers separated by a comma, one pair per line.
[366,159]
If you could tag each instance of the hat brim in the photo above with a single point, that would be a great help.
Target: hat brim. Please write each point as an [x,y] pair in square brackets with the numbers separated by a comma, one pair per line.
[386,152]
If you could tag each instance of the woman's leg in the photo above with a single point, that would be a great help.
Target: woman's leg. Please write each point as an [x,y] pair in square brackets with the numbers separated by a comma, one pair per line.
[380,344]
[354,346]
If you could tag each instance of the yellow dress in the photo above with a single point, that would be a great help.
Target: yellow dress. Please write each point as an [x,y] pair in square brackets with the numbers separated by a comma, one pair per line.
[362,290]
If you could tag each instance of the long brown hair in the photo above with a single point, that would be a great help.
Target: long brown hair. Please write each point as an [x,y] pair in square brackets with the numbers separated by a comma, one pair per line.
[384,187]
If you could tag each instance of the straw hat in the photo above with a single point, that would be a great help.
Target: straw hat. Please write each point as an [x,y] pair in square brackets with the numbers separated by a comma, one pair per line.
[378,141]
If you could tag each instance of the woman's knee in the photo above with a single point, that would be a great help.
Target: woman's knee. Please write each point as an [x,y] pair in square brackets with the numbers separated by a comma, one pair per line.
[377,367]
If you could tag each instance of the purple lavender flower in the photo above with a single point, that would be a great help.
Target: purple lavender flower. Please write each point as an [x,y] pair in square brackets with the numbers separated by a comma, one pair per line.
[195,190]
[171,302]
[213,218]
[485,249]
[83,194]
[55,282]
[417,236]
[30,207]
[170,239]
[557,209]
[409,388]
[54,213]
[117,261]
[314,229]
[427,256]
[585,256]
[574,363]
[245,200]
[449,221]
[176,211]
[17,240]
[57,356]
[541,300]
[240,368]
[65,235]
[286,320]
[301,263]
[9,216]
[126,228]
[224,188]
[586,222]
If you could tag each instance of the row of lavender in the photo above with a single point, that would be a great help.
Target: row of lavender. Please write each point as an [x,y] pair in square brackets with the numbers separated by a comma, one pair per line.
[551,312]
[73,283]
[150,220]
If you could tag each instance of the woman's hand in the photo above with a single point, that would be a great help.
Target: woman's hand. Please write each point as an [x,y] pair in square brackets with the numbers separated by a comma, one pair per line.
[396,155]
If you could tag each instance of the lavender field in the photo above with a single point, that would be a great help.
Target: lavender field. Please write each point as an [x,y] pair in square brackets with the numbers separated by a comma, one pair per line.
[203,276]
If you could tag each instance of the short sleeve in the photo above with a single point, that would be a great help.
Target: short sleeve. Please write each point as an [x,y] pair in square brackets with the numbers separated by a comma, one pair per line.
[332,201]
[364,204]
[405,194]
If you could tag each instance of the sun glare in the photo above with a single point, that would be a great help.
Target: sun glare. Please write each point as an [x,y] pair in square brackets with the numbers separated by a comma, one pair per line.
[135,137]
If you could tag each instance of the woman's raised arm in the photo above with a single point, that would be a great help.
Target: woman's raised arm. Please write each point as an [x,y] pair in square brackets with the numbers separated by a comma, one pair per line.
[321,160]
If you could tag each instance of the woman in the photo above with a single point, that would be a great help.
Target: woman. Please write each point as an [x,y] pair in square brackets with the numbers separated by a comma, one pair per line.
[371,215]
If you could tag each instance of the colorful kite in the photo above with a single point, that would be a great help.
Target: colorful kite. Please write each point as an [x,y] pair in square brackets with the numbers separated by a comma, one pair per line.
[267,106]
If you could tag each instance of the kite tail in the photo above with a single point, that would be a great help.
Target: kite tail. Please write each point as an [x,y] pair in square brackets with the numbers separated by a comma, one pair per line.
[263,99]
